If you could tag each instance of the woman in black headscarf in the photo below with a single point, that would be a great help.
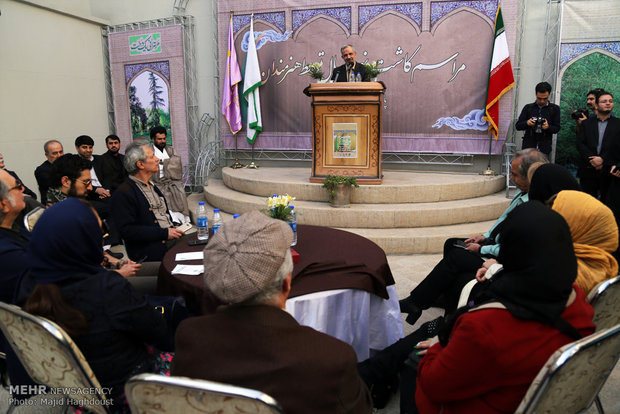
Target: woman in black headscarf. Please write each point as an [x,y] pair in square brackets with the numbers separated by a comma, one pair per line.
[549,179]
[490,352]
[108,319]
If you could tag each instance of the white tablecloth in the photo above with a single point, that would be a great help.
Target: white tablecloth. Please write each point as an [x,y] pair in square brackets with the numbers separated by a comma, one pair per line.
[359,318]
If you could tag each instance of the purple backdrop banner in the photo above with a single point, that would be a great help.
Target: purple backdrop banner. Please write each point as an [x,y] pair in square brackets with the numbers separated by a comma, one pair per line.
[435,57]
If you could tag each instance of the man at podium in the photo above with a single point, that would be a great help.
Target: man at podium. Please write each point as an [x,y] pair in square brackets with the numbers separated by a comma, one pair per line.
[351,69]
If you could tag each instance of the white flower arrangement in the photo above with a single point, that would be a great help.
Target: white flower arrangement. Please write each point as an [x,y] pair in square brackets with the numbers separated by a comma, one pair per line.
[373,69]
[315,70]
[278,207]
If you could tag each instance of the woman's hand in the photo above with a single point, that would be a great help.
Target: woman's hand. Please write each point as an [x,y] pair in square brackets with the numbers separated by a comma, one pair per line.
[128,268]
[480,274]
[423,346]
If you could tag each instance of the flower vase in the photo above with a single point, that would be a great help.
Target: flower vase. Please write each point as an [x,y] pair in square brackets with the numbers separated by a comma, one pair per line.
[373,79]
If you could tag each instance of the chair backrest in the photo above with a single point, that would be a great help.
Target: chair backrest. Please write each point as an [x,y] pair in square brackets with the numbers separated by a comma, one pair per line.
[572,377]
[605,299]
[51,358]
[150,393]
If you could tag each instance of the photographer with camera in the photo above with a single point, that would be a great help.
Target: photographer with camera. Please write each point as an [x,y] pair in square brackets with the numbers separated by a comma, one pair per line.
[581,115]
[540,120]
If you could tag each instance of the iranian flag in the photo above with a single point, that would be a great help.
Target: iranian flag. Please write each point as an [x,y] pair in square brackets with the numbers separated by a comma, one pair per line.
[501,78]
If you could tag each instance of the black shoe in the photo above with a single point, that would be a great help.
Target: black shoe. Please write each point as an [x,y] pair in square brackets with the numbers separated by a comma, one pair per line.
[432,327]
[380,387]
[118,256]
[407,306]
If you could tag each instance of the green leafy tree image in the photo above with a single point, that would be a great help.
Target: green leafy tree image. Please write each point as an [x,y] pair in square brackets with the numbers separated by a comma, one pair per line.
[156,102]
[592,71]
[138,114]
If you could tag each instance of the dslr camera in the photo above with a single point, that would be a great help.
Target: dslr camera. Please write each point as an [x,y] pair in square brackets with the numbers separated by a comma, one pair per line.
[538,123]
[578,113]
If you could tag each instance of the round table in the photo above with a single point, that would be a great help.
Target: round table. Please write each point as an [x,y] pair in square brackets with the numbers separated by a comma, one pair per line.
[342,285]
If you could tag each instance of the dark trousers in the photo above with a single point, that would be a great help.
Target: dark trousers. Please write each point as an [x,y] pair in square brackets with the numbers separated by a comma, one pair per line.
[543,144]
[457,267]
[386,365]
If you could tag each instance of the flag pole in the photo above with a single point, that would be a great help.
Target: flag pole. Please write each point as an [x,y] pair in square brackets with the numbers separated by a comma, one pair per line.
[252,165]
[229,73]
[237,164]
[501,80]
[489,171]
[255,76]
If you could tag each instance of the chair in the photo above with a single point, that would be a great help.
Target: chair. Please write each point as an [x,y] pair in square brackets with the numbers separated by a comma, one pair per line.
[151,393]
[51,358]
[570,380]
[605,299]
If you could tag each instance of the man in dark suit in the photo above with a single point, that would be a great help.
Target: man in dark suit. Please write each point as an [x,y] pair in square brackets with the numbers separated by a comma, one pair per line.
[351,68]
[254,342]
[53,150]
[597,136]
[111,164]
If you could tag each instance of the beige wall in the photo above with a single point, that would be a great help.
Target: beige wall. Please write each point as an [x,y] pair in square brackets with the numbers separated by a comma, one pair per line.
[52,83]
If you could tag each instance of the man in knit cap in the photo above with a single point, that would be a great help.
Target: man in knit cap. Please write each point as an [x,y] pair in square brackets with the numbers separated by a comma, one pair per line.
[253,342]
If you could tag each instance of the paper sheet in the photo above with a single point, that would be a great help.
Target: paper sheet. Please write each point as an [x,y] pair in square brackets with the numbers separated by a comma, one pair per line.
[192,270]
[189,256]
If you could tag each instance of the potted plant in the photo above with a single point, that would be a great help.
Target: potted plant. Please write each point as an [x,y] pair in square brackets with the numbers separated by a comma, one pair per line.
[339,189]
[373,70]
[314,69]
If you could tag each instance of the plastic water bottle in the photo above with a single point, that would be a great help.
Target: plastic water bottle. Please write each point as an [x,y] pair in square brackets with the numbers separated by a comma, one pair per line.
[235,216]
[202,222]
[358,77]
[293,224]
[217,220]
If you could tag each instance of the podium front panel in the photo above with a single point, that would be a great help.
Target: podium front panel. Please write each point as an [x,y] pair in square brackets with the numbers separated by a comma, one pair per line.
[347,136]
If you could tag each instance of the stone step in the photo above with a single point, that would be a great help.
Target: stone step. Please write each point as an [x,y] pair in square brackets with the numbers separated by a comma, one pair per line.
[380,216]
[397,186]
[420,240]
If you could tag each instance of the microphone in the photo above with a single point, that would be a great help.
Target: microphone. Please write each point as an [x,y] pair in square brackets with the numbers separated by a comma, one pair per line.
[336,77]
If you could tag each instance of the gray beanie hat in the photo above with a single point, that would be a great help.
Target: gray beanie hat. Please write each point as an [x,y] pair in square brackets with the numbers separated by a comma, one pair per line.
[245,255]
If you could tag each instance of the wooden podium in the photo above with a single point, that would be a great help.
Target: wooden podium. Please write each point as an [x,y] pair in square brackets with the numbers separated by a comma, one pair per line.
[346,133]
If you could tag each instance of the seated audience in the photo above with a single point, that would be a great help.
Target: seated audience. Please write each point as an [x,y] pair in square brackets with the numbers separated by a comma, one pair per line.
[84,147]
[53,150]
[69,177]
[549,179]
[12,242]
[489,352]
[27,191]
[461,258]
[254,342]
[111,164]
[139,208]
[169,177]
[109,320]
[595,236]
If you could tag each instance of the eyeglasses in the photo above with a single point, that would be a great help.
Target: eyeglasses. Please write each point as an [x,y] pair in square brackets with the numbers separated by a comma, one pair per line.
[86,182]
[18,186]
